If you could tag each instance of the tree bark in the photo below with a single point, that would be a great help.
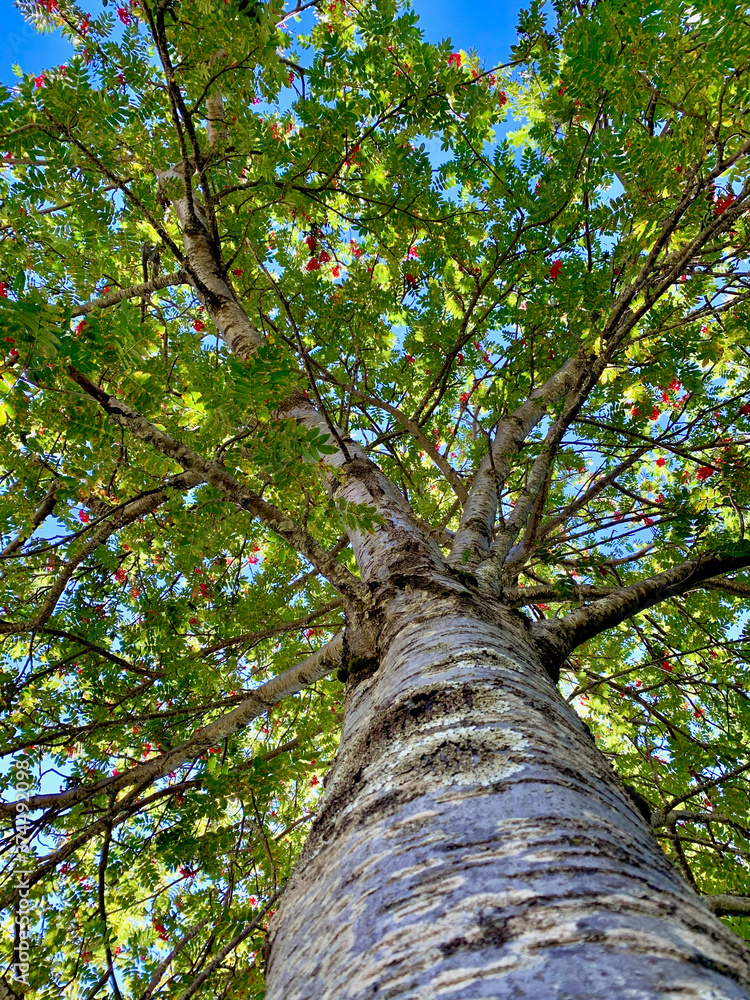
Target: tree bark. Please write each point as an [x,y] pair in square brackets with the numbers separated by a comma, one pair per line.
[473,841]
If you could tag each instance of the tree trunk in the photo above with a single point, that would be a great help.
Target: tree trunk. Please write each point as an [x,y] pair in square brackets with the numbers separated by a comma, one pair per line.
[473,841]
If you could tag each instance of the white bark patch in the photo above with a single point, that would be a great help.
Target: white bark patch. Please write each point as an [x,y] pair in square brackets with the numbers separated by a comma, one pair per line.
[452,751]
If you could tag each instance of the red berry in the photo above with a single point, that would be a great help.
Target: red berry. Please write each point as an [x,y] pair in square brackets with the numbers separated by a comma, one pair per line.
[722,204]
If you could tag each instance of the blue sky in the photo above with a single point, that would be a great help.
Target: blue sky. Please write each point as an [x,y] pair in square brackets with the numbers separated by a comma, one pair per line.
[21,44]
[486,25]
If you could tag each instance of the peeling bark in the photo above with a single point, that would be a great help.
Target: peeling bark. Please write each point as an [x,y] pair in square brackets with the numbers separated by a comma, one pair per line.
[473,842]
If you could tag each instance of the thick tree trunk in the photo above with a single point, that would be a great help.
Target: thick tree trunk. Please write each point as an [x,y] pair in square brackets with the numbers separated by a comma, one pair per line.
[473,842]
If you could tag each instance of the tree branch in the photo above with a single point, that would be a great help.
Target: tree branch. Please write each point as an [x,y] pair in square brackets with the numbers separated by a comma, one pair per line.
[163,966]
[44,509]
[230,947]
[559,637]
[518,597]
[421,438]
[474,533]
[124,515]
[724,905]
[254,637]
[732,587]
[590,494]
[316,666]
[535,490]
[214,473]
[132,292]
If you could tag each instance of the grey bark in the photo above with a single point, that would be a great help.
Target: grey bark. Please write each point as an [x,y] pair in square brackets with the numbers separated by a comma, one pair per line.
[473,841]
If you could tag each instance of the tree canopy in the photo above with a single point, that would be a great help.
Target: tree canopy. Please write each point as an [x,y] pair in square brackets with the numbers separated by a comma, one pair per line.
[219,218]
